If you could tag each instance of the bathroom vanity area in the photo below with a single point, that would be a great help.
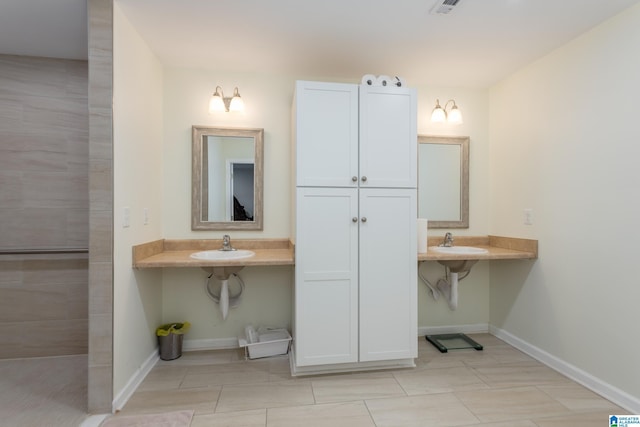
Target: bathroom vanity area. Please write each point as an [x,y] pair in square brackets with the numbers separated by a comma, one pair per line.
[353,244]
[354,238]
[171,253]
[177,253]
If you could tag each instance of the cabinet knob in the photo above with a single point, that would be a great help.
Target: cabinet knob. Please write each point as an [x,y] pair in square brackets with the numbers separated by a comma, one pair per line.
[354,178]
[354,219]
[364,219]
[364,179]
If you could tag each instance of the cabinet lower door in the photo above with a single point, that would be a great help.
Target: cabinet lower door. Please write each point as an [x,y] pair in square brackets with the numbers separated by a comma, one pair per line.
[388,280]
[326,283]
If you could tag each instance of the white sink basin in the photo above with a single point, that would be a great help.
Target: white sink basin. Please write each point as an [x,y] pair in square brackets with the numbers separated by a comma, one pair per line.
[216,255]
[459,250]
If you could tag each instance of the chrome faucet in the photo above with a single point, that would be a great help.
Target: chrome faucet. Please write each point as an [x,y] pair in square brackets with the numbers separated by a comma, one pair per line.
[226,243]
[448,240]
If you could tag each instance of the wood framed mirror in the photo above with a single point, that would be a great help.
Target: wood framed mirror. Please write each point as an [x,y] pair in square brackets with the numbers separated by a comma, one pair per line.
[227,178]
[443,180]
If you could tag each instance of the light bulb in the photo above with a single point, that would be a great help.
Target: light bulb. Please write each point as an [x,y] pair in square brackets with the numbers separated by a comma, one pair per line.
[438,115]
[216,103]
[236,104]
[455,116]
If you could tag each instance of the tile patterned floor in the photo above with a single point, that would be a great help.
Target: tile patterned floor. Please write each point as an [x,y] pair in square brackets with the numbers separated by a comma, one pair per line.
[43,392]
[497,387]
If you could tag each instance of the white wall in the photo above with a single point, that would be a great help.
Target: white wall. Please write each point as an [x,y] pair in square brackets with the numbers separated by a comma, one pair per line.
[564,142]
[138,184]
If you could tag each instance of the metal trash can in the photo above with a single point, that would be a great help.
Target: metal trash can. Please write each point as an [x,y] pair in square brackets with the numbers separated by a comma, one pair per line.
[170,337]
[170,346]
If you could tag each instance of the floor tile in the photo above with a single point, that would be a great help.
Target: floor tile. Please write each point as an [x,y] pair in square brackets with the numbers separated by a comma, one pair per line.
[204,357]
[201,400]
[487,340]
[433,410]
[440,360]
[264,395]
[512,423]
[578,398]
[510,404]
[499,355]
[352,414]
[230,376]
[439,380]
[254,418]
[167,378]
[355,388]
[591,419]
[45,391]
[225,389]
[519,374]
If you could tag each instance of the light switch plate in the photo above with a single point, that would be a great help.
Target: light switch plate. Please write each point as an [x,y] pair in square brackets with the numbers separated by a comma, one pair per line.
[528,216]
[126,217]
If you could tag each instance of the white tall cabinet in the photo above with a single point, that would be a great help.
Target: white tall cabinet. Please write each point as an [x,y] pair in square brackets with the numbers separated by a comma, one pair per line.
[355,154]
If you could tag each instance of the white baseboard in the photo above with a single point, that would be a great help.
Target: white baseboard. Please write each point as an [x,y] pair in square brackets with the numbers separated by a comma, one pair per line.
[94,420]
[604,389]
[134,382]
[210,344]
[478,328]
[230,343]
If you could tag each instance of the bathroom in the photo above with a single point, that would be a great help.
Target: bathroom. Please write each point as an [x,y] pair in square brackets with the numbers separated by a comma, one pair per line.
[563,149]
[508,296]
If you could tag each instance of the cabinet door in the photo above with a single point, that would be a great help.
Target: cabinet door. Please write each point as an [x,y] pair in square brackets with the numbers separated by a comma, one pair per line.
[388,282]
[326,134]
[388,137]
[326,284]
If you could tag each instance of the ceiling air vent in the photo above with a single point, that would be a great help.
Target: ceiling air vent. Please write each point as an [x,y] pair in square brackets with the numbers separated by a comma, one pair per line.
[443,7]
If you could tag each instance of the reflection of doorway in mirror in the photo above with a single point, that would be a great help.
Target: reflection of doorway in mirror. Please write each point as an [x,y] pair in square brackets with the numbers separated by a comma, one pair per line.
[240,197]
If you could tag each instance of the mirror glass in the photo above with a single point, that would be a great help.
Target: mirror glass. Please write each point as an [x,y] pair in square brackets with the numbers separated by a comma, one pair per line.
[227,174]
[443,180]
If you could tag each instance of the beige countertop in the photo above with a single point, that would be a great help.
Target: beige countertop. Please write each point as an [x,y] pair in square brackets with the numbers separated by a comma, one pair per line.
[497,248]
[176,253]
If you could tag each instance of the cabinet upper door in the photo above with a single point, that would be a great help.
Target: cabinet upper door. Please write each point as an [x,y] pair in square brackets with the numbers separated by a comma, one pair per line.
[326,134]
[388,137]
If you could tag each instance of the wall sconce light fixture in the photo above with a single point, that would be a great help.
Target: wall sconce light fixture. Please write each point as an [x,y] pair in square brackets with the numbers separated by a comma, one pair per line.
[440,115]
[219,103]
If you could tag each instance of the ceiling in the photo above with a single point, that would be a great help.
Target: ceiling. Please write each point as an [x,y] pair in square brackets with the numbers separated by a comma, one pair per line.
[477,44]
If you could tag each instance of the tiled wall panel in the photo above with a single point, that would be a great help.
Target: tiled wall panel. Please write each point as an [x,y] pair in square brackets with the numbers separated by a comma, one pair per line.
[44,202]
[100,387]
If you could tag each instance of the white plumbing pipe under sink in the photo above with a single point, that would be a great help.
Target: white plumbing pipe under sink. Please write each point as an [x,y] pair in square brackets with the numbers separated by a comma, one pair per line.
[224,298]
[453,298]
[449,288]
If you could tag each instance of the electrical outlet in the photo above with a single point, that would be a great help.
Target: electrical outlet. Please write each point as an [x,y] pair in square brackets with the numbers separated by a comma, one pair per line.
[145,214]
[126,217]
[528,216]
